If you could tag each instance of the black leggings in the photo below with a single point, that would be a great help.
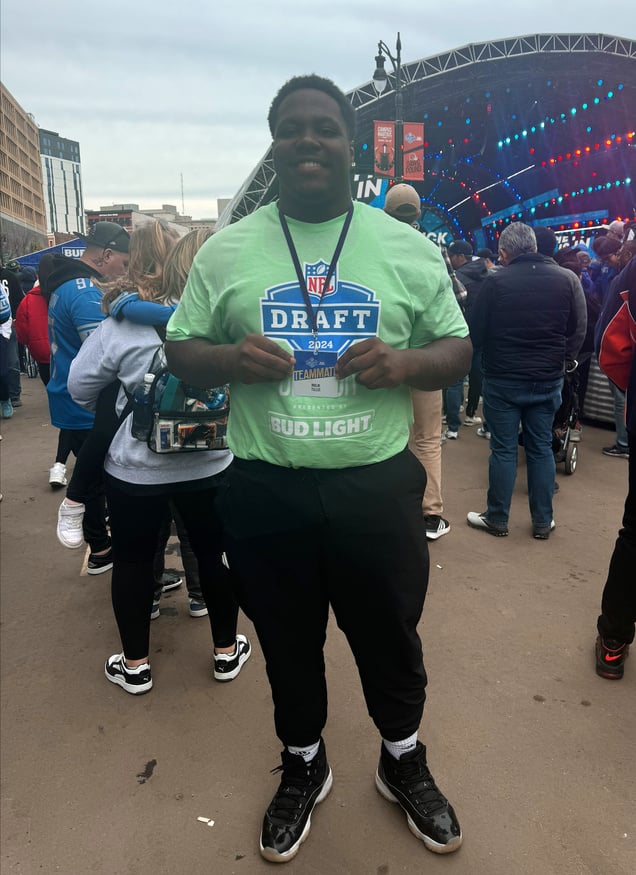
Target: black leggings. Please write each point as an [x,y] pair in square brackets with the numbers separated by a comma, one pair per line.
[4,368]
[301,540]
[44,372]
[188,559]
[135,523]
[88,473]
[94,521]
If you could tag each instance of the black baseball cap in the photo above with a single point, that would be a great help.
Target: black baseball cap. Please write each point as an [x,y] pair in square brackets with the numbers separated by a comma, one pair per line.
[460,247]
[486,253]
[107,235]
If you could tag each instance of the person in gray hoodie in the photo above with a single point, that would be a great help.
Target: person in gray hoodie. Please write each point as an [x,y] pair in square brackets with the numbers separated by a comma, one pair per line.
[139,483]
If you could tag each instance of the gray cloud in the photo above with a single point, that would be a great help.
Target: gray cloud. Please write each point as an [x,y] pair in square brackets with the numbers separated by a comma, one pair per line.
[153,89]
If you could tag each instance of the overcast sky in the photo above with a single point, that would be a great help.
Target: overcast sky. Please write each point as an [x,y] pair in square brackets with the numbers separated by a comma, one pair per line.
[156,89]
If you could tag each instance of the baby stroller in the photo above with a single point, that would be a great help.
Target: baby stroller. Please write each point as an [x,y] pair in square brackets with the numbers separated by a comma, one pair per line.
[565,436]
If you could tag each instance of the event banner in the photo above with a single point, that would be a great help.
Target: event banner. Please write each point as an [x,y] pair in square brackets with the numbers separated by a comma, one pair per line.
[413,151]
[384,148]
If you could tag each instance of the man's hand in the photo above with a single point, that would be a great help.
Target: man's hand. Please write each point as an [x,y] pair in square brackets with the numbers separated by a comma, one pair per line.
[377,365]
[259,360]
[431,367]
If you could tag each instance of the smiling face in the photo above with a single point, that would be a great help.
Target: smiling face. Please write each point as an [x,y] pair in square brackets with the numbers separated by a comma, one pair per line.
[312,156]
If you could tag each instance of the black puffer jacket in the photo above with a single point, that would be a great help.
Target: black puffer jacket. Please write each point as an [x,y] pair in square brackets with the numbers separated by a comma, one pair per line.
[472,274]
[528,319]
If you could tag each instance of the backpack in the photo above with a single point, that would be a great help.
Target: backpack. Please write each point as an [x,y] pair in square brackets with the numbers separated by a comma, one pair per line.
[174,417]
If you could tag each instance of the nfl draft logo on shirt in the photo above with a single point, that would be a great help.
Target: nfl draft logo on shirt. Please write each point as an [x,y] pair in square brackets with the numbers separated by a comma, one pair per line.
[345,312]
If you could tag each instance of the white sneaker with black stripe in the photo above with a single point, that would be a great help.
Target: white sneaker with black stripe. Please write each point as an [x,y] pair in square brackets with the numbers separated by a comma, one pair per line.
[134,680]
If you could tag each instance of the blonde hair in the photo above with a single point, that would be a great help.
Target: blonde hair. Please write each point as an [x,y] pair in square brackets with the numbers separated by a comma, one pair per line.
[178,264]
[149,248]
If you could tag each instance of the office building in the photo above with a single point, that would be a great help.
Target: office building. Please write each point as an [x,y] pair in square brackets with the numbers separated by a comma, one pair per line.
[62,181]
[22,213]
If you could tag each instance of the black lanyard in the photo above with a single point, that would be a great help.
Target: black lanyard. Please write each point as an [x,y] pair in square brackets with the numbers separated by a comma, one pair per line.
[313,314]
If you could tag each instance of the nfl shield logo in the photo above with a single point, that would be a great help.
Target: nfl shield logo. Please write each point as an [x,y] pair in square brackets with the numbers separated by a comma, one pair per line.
[315,276]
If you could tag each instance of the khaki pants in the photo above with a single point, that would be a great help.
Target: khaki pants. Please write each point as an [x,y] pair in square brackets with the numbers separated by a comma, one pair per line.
[425,443]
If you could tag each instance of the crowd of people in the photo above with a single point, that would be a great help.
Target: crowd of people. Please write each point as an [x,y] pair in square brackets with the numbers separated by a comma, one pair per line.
[343,338]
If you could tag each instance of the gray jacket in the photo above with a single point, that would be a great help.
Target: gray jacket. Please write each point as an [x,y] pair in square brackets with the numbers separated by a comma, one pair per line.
[124,350]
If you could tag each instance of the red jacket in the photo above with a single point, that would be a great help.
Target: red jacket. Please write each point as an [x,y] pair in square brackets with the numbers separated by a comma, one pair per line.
[616,338]
[31,324]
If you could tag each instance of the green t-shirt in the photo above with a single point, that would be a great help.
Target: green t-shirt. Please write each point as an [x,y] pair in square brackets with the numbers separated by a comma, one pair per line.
[390,281]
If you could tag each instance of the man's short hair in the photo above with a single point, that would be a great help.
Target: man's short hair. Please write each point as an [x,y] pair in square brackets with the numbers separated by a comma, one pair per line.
[546,240]
[518,239]
[403,203]
[461,247]
[605,246]
[107,235]
[315,83]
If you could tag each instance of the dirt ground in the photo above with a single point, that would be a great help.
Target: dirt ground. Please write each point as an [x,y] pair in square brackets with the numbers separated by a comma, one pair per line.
[535,751]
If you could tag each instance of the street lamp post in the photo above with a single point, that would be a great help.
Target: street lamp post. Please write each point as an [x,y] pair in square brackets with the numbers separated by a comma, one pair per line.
[380,80]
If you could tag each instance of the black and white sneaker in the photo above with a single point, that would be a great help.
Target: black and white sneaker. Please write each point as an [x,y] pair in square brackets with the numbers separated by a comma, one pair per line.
[481,521]
[99,564]
[134,680]
[542,533]
[617,451]
[287,820]
[170,579]
[436,526]
[228,665]
[409,782]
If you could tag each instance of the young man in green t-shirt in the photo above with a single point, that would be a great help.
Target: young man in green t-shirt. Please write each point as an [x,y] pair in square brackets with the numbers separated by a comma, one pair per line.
[322,316]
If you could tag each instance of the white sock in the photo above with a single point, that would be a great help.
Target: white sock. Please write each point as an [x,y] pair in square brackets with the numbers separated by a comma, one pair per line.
[397,748]
[307,753]
[136,668]
[75,504]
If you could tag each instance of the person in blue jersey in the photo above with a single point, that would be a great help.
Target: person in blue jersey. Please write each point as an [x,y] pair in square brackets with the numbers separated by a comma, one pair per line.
[74,312]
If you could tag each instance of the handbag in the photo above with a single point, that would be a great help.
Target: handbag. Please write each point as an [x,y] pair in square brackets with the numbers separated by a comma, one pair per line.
[175,417]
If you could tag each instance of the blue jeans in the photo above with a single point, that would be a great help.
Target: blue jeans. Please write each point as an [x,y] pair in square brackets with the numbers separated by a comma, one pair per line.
[507,404]
[619,416]
[453,400]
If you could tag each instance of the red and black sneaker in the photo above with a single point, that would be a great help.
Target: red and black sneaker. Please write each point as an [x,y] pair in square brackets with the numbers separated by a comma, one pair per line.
[610,658]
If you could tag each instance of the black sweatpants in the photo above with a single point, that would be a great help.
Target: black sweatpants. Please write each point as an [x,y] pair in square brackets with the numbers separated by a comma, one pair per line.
[135,522]
[618,604]
[300,540]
